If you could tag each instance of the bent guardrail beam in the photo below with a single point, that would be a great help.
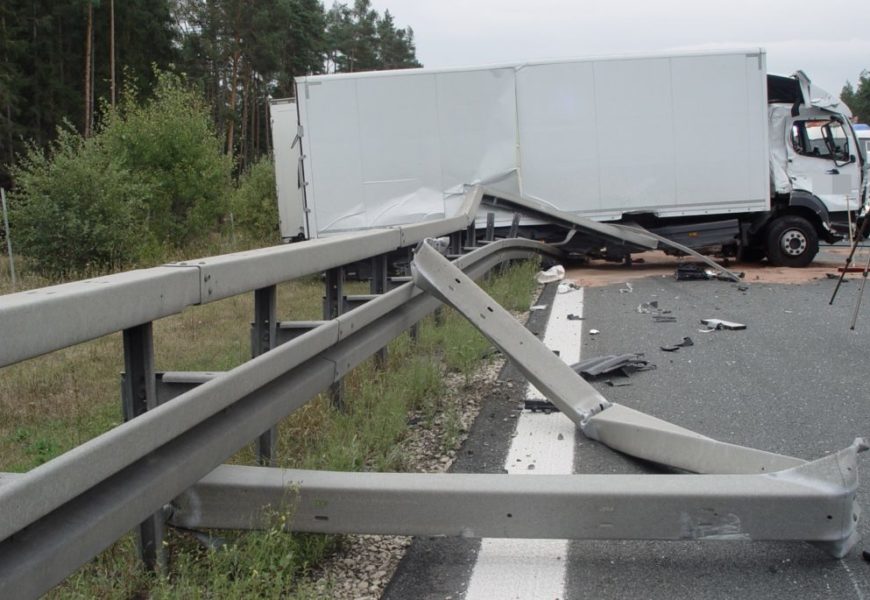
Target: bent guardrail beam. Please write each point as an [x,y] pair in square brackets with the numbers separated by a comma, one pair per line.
[624,235]
[811,502]
[57,516]
[51,318]
[621,428]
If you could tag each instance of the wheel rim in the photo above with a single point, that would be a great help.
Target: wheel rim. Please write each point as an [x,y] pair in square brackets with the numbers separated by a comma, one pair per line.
[793,242]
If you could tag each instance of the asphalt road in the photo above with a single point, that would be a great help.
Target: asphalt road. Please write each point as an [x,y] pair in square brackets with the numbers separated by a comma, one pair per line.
[793,382]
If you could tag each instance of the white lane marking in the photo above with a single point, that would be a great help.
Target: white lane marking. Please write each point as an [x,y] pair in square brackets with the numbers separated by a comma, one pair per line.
[531,569]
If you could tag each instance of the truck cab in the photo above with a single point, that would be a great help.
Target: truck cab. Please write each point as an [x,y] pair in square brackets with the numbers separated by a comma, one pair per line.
[817,168]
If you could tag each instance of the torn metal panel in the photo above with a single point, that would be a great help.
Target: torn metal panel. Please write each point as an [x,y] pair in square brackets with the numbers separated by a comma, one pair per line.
[812,502]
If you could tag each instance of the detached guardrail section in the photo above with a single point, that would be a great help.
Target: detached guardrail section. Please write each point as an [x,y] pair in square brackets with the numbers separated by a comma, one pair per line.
[164,463]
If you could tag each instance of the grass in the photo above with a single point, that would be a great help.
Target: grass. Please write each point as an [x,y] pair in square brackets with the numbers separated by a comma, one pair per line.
[53,403]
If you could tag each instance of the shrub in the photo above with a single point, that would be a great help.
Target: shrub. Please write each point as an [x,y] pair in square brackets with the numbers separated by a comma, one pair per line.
[75,207]
[169,143]
[255,203]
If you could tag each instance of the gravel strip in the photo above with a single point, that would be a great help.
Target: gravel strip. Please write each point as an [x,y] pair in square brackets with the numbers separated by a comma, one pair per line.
[366,563]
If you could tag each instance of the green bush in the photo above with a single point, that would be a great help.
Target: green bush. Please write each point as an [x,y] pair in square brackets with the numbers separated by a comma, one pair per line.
[152,178]
[170,144]
[75,208]
[255,203]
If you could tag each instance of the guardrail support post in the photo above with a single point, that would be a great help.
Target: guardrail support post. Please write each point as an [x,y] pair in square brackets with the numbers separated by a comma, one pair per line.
[139,394]
[332,306]
[490,227]
[264,338]
[471,236]
[378,285]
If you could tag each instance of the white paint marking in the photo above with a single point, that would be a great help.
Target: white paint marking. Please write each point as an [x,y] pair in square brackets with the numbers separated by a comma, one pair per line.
[530,569]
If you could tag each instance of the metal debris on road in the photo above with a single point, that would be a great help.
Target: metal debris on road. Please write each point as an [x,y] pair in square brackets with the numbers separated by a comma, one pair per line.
[687,341]
[715,324]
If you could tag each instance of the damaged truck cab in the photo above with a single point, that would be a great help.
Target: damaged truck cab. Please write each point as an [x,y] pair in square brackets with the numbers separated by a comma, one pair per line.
[817,172]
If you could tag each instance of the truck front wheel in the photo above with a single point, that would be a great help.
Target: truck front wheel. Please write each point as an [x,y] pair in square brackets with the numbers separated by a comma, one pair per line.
[792,241]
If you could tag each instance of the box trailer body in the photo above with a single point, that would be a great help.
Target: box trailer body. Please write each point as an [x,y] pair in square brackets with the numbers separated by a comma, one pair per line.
[669,142]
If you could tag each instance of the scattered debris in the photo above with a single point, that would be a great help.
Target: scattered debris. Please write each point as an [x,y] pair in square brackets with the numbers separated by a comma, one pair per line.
[554,273]
[693,272]
[715,324]
[628,289]
[566,287]
[659,315]
[699,271]
[687,341]
[539,307]
[594,332]
[835,276]
[742,288]
[573,317]
[544,406]
[612,383]
[621,363]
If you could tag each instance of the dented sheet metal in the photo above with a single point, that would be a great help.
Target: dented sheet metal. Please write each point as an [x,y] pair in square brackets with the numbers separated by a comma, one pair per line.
[811,502]
[619,427]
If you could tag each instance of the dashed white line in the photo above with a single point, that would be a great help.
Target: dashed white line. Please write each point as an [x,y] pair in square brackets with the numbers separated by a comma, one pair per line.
[543,444]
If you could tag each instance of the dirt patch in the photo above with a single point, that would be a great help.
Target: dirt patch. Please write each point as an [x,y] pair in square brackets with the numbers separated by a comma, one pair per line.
[658,264]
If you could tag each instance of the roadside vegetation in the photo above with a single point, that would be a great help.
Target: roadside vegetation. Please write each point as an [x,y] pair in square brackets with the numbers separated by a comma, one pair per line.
[53,403]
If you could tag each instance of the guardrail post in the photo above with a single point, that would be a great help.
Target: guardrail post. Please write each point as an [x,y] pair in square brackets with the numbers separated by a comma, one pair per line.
[514,232]
[264,338]
[471,235]
[456,243]
[139,394]
[490,227]
[378,285]
[332,305]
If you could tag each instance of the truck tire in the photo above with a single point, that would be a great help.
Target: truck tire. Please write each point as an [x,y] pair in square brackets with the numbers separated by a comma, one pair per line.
[792,241]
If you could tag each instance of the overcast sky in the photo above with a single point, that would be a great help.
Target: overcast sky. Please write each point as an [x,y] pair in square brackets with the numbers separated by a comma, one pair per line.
[829,39]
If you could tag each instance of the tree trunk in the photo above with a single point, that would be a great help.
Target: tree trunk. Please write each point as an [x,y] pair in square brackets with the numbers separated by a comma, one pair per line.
[89,36]
[112,49]
[234,82]
[243,140]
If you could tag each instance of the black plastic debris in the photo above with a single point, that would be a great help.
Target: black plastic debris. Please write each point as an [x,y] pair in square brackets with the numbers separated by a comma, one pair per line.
[687,341]
[544,406]
[573,317]
[625,364]
[699,272]
[591,368]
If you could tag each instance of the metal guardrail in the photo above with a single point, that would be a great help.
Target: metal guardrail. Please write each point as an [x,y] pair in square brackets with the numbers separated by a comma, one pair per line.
[58,515]
[39,321]
[165,464]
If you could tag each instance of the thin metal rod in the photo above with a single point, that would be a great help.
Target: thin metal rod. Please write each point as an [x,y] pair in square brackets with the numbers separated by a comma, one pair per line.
[8,238]
[855,245]
[860,294]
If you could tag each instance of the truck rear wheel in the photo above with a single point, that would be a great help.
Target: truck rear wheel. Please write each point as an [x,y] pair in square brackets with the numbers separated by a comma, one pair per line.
[792,241]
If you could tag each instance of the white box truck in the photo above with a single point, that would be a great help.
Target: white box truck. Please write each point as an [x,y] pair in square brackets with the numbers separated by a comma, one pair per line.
[706,149]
